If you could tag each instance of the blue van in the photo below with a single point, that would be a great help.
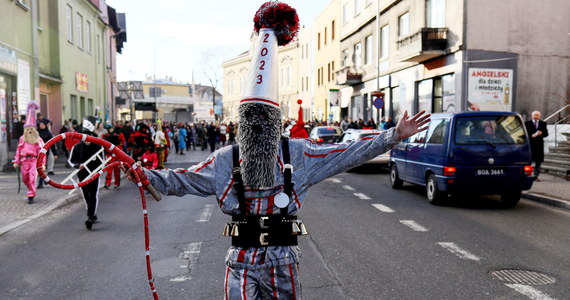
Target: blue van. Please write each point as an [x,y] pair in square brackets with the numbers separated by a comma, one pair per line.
[480,152]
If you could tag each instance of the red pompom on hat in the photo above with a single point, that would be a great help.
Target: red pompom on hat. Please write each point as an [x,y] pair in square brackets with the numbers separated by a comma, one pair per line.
[299,101]
[279,17]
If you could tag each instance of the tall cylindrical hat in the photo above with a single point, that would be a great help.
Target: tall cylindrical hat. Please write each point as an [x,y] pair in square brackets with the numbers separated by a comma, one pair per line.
[276,24]
[31,114]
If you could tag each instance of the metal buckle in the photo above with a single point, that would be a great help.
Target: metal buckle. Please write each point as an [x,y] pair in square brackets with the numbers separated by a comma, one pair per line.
[288,166]
[262,224]
[262,241]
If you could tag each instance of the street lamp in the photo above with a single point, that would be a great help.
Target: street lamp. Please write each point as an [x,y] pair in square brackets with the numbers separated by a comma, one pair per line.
[155,114]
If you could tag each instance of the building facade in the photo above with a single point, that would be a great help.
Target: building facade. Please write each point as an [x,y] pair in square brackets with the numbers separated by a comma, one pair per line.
[326,35]
[55,53]
[446,56]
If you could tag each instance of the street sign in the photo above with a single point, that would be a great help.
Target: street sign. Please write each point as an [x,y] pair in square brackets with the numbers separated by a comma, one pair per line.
[379,102]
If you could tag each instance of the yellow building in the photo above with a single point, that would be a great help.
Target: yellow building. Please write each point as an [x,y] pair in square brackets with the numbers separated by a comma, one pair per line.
[235,76]
[305,82]
[327,58]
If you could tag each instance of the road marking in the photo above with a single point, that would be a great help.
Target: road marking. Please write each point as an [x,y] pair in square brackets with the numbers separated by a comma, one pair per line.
[190,253]
[206,213]
[335,180]
[529,291]
[362,196]
[463,254]
[348,187]
[383,208]
[413,225]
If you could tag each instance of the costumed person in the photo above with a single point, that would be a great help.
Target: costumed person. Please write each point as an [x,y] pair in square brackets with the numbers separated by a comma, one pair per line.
[537,131]
[29,146]
[298,130]
[116,138]
[262,181]
[150,160]
[140,140]
[78,157]
[160,144]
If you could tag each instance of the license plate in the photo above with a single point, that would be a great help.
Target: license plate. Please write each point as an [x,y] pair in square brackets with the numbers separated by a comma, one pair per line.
[490,172]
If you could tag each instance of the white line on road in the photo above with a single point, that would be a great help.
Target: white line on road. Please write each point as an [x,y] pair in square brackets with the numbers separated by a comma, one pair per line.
[383,208]
[413,225]
[463,254]
[362,196]
[529,291]
[206,213]
[335,180]
[348,187]
[190,253]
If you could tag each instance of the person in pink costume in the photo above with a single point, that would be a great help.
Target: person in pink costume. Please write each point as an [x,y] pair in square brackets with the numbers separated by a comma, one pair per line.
[29,147]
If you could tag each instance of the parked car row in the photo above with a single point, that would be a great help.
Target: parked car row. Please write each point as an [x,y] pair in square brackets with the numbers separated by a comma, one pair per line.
[484,153]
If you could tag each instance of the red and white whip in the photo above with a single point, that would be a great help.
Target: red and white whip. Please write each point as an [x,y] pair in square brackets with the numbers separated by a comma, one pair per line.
[122,160]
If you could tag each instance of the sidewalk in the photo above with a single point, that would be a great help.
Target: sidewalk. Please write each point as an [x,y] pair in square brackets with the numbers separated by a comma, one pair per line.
[551,190]
[15,210]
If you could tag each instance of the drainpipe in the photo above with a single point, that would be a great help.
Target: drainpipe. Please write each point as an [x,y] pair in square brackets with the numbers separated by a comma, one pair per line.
[35,50]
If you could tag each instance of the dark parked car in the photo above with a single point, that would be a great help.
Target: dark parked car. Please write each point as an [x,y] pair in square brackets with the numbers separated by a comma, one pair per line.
[325,134]
[472,152]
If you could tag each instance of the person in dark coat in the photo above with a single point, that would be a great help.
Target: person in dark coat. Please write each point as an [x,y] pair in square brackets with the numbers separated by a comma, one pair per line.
[78,156]
[537,131]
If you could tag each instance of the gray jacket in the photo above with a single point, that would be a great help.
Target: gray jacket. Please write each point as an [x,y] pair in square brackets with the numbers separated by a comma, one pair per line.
[312,164]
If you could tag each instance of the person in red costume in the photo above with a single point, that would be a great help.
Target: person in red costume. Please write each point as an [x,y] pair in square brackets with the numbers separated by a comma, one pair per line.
[298,130]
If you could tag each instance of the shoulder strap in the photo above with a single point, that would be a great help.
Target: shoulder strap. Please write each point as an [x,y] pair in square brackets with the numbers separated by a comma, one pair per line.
[238,180]
[287,173]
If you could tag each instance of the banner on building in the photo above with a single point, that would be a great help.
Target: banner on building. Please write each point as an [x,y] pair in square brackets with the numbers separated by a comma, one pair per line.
[490,89]
[81,82]
[203,111]
[24,89]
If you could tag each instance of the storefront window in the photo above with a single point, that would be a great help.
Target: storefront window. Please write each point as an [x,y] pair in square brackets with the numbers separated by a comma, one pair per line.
[425,93]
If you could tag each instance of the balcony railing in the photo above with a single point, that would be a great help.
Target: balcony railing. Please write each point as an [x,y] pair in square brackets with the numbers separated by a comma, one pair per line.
[348,76]
[425,44]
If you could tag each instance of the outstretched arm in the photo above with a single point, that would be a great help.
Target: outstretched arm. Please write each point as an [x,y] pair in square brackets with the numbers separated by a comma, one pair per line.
[197,180]
[323,161]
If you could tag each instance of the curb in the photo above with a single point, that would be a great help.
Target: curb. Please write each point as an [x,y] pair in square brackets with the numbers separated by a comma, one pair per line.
[552,201]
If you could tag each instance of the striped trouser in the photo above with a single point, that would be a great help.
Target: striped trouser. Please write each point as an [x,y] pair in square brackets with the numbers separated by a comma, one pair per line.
[278,282]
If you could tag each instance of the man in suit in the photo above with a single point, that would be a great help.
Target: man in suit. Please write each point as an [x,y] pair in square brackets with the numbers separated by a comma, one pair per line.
[537,131]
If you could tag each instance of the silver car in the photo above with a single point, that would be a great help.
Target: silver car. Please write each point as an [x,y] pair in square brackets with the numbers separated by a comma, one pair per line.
[357,134]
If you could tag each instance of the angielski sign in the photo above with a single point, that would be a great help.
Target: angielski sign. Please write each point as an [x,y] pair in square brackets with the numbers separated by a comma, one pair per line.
[490,89]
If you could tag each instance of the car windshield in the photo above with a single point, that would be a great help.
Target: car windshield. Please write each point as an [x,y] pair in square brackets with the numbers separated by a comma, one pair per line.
[328,131]
[489,130]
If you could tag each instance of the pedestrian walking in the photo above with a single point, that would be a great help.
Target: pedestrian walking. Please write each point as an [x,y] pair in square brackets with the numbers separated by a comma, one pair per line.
[182,133]
[263,180]
[79,156]
[52,153]
[537,131]
[29,146]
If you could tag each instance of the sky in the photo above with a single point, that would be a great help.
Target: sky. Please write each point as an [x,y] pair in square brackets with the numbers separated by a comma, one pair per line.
[190,37]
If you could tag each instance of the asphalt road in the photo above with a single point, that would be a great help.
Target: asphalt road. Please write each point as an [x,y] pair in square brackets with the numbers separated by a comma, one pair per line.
[402,248]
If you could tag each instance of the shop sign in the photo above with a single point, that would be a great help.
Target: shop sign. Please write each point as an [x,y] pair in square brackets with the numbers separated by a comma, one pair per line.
[81,83]
[24,90]
[490,89]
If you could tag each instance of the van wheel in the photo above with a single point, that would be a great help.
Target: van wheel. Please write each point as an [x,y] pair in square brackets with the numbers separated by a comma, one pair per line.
[511,199]
[395,180]
[434,196]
